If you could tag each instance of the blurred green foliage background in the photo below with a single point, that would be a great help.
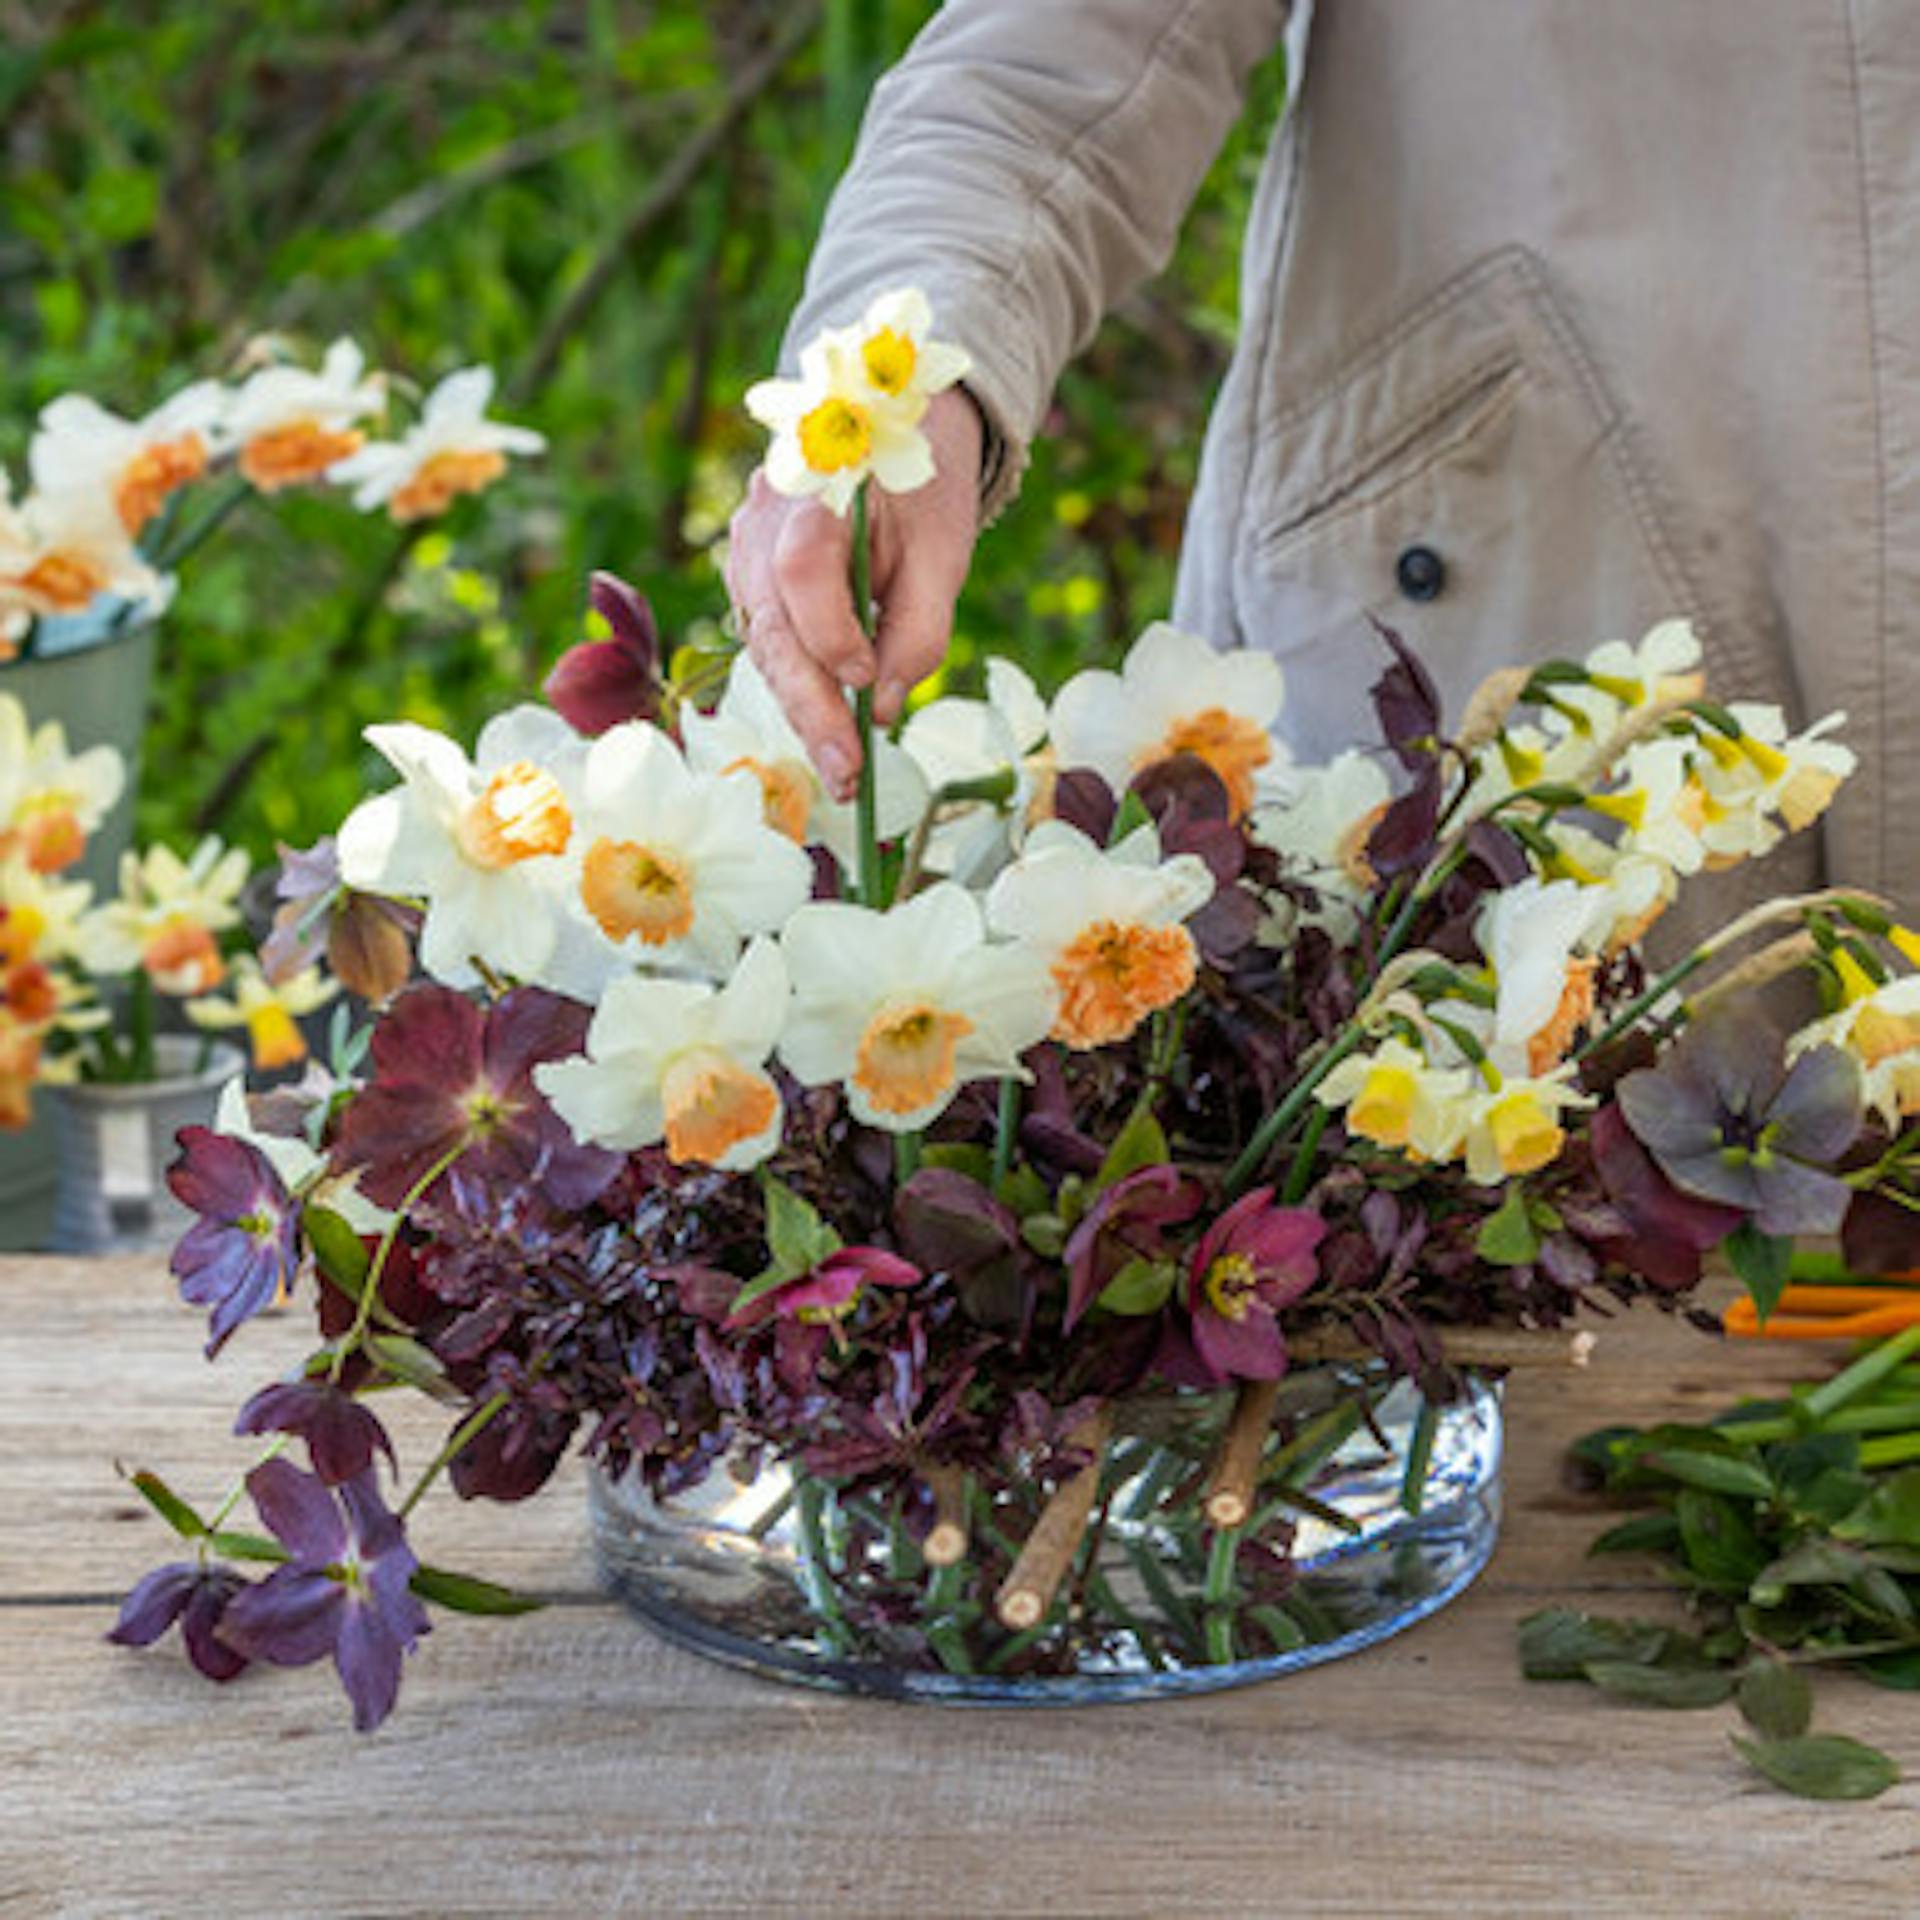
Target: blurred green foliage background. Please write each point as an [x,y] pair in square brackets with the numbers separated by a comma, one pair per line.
[610,201]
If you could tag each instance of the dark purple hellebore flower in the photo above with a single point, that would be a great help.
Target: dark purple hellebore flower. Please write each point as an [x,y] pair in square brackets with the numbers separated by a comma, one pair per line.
[368,941]
[244,1247]
[600,683]
[340,1433]
[830,1290]
[1667,1231]
[1254,1260]
[197,1597]
[344,1589]
[452,1077]
[1127,1223]
[1725,1123]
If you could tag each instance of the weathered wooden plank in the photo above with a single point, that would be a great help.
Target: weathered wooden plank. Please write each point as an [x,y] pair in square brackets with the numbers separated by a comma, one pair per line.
[568,1763]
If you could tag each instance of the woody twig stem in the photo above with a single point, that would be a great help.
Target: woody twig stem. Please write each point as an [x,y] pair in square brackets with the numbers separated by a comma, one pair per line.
[1229,1495]
[1492,1348]
[946,1541]
[1028,1591]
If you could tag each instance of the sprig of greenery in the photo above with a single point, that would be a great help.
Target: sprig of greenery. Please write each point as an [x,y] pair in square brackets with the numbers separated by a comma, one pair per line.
[1796,1541]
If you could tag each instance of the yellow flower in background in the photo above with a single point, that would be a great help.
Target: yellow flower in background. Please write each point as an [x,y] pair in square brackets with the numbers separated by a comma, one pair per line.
[62,549]
[290,425]
[854,413]
[453,448]
[51,799]
[269,1012]
[167,918]
[135,464]
[40,918]
[1177,694]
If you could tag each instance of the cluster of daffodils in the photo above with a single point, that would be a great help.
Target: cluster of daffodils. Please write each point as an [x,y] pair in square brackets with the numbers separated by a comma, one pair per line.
[1625,782]
[98,523]
[70,963]
[692,890]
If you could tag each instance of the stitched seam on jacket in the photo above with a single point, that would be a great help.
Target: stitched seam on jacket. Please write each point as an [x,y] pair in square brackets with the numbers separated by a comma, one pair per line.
[1879,443]
[1392,451]
[1025,253]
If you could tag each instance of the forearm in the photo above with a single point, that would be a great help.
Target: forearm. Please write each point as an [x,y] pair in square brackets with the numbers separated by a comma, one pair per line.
[1028,163]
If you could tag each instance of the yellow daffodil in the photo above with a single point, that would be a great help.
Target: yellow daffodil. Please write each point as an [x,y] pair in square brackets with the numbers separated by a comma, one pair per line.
[167,918]
[855,411]
[1879,1024]
[1395,1097]
[51,799]
[269,1011]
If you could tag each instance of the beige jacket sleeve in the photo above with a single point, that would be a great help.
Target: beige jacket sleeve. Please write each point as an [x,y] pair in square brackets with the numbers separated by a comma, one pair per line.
[1028,163]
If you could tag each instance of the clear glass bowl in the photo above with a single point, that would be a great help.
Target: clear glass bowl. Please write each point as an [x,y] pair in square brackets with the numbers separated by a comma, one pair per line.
[789,1577]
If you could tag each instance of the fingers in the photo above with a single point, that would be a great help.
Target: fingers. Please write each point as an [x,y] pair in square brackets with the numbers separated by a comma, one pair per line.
[810,568]
[916,623]
[807,691]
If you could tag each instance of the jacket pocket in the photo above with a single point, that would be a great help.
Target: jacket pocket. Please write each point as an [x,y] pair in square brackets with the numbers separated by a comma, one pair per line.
[1465,478]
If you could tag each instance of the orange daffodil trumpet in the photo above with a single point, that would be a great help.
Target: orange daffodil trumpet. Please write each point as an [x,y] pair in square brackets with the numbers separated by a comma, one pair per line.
[288,425]
[903,1008]
[1107,923]
[682,1062]
[453,448]
[855,411]
[52,800]
[1176,694]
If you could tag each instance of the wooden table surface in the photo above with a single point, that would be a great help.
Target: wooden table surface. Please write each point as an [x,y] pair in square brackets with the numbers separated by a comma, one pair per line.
[569,1763]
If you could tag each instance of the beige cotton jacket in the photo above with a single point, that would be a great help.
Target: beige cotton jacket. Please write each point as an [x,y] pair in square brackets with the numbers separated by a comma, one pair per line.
[1610,307]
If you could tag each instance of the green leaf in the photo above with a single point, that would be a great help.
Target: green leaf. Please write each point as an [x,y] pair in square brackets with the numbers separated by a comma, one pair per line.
[337,1250]
[797,1237]
[958,1157]
[1045,1233]
[1128,817]
[406,1359]
[1811,1562]
[1715,1472]
[246,1546]
[1891,1517]
[1558,1643]
[463,1593]
[1822,1766]
[1507,1237]
[1661,1686]
[1763,1261]
[1141,1286]
[1142,1142]
[1657,1532]
[1776,1700]
[1720,1547]
[167,1504]
[1023,1192]
[1900,1671]
[119,203]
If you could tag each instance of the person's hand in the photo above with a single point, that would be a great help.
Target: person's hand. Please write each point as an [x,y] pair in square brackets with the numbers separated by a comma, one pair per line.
[788,575]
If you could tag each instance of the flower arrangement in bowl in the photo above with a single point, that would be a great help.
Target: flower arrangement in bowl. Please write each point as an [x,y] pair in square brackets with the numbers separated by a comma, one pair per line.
[1044,1230]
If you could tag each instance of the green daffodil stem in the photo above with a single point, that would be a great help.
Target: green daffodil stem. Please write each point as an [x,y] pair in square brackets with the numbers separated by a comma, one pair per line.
[370,1293]
[906,1157]
[462,1435]
[866,804]
[194,536]
[1006,1131]
[1413,1481]
[1246,1169]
